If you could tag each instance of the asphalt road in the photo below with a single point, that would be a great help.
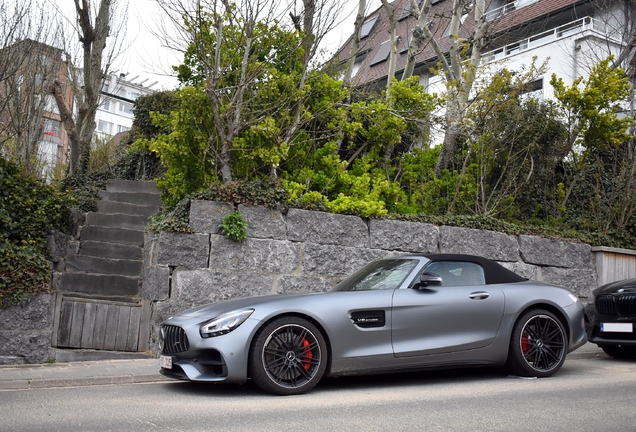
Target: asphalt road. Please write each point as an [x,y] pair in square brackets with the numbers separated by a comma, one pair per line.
[591,394]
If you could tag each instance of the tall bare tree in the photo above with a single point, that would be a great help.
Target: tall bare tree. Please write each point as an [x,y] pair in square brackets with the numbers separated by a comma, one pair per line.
[459,65]
[94,26]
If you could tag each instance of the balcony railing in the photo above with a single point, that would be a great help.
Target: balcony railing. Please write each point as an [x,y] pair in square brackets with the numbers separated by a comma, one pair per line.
[565,30]
[508,8]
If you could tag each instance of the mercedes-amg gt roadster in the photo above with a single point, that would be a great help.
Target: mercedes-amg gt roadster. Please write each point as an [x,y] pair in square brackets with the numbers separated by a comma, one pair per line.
[395,314]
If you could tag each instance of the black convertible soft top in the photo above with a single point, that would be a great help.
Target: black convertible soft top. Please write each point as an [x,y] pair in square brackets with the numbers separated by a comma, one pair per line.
[494,272]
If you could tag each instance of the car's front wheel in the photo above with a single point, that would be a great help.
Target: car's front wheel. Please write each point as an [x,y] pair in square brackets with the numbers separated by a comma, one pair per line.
[619,351]
[538,345]
[288,356]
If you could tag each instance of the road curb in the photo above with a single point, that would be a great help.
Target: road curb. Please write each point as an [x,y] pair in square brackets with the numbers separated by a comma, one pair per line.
[26,384]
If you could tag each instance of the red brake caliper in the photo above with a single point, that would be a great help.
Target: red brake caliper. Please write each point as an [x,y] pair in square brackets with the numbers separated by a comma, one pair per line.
[307,354]
[525,344]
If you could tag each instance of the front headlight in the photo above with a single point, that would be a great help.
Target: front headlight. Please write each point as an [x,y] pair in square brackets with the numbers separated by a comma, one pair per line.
[225,323]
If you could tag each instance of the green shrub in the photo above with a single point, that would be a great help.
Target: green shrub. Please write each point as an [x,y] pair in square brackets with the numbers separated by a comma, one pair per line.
[29,210]
[234,226]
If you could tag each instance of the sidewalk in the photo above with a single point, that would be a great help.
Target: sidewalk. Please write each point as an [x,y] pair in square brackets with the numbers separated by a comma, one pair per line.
[125,371]
[85,373]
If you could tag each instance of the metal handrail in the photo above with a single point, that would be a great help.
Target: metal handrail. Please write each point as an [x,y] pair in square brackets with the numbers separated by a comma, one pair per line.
[565,30]
[508,8]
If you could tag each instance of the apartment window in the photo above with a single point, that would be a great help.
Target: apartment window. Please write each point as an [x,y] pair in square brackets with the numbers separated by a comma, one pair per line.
[533,90]
[382,54]
[357,64]
[50,105]
[133,95]
[121,128]
[52,128]
[105,127]
[367,26]
[125,108]
[106,105]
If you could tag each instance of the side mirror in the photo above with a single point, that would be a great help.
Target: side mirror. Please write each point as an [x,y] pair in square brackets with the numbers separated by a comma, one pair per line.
[430,279]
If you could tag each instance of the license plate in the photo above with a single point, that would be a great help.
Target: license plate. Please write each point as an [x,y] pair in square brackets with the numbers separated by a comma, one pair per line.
[617,327]
[165,362]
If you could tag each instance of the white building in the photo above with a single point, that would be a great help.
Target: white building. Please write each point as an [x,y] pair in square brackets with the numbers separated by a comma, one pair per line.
[114,114]
[569,35]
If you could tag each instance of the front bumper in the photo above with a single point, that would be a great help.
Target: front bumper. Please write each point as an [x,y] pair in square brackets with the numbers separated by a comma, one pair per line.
[217,359]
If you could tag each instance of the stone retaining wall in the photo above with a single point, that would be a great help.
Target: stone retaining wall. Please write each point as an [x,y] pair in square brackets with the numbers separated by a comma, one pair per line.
[306,251]
[25,332]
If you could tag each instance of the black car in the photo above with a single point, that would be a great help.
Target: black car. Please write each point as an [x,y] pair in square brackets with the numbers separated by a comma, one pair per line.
[611,313]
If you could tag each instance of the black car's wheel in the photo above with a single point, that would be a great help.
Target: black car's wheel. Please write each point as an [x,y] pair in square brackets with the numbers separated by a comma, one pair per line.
[619,351]
[288,356]
[538,346]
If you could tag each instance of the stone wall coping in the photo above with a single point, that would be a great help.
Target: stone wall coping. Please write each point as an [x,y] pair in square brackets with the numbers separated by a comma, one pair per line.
[613,250]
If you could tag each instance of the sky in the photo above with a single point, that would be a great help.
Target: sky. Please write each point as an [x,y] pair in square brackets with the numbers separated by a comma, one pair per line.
[145,59]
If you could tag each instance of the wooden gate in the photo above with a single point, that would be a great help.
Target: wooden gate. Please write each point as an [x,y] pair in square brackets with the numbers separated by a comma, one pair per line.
[83,323]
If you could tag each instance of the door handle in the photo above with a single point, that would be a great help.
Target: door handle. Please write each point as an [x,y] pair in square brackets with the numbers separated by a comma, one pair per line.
[479,295]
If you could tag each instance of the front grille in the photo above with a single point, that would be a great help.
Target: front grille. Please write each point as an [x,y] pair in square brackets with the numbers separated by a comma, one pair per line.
[619,305]
[605,305]
[174,339]
[626,305]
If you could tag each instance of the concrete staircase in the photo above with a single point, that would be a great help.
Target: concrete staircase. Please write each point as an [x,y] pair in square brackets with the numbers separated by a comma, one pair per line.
[106,260]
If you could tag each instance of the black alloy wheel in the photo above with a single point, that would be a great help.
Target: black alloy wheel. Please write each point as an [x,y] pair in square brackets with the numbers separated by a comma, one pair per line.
[538,346]
[288,356]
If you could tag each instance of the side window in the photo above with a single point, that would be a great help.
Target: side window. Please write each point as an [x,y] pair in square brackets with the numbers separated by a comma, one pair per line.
[457,273]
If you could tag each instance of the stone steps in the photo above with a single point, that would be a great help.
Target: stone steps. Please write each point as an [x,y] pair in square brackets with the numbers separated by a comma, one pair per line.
[108,266]
[101,284]
[112,235]
[137,198]
[117,220]
[106,260]
[110,250]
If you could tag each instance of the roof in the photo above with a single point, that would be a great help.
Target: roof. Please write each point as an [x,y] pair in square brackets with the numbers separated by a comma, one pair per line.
[494,272]
[440,13]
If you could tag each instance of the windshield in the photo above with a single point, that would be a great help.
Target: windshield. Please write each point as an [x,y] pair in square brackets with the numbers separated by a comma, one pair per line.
[379,275]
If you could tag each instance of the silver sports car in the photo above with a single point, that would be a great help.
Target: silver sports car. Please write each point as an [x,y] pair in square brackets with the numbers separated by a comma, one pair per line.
[395,314]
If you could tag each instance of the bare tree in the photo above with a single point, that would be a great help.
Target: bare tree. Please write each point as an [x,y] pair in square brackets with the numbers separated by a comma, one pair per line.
[28,64]
[459,65]
[355,42]
[94,26]
[393,41]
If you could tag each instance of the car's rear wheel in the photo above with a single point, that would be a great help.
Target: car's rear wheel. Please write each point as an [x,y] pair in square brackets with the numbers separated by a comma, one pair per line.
[538,346]
[619,351]
[288,356]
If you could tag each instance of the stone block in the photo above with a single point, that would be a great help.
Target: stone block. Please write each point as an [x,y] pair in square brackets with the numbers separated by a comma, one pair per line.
[488,244]
[326,228]
[301,285]
[33,346]
[183,250]
[58,245]
[156,283]
[403,236]
[524,270]
[192,288]
[34,315]
[254,255]
[151,245]
[263,222]
[555,253]
[324,260]
[206,216]
[580,282]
